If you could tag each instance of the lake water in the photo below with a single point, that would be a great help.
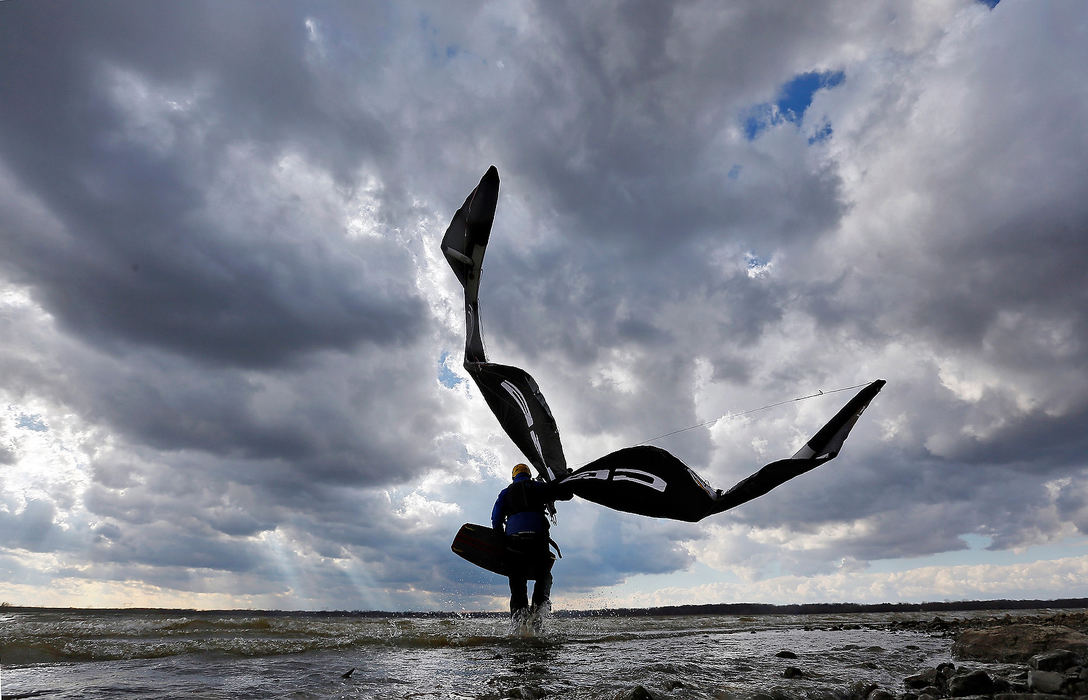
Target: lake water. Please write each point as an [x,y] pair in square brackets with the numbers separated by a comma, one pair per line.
[185,654]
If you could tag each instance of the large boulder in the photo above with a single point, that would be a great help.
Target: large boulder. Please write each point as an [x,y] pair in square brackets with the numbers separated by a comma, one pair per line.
[1056,660]
[971,683]
[1045,681]
[921,680]
[1017,643]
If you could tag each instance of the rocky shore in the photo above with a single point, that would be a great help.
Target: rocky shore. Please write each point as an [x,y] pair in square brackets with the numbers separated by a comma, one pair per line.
[1007,658]
[1012,657]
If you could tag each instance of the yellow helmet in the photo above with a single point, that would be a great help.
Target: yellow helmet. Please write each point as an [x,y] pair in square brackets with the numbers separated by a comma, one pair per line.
[519,469]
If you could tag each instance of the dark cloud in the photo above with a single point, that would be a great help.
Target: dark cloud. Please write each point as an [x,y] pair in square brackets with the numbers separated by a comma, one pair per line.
[32,528]
[160,234]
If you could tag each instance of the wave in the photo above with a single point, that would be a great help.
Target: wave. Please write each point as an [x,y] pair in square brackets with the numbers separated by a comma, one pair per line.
[45,637]
[139,638]
[201,624]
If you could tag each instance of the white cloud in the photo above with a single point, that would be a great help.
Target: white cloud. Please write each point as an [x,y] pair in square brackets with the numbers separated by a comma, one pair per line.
[1039,580]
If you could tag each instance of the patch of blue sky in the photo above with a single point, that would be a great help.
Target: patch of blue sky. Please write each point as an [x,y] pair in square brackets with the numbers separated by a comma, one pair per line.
[794,97]
[757,266]
[754,261]
[426,26]
[438,52]
[990,3]
[821,134]
[441,52]
[31,422]
[445,375]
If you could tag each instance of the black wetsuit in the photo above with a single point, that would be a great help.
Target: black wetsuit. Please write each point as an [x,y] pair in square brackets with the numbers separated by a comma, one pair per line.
[522,507]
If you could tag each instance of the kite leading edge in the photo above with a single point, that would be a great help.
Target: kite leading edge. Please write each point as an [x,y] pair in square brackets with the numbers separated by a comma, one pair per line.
[644,479]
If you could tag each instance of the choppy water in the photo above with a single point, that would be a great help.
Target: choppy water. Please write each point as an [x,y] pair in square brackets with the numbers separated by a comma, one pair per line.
[176,654]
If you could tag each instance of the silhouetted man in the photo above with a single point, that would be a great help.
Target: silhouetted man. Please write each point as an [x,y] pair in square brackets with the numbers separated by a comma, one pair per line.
[522,506]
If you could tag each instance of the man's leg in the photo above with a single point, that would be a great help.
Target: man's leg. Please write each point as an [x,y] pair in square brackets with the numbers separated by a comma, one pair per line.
[542,589]
[518,597]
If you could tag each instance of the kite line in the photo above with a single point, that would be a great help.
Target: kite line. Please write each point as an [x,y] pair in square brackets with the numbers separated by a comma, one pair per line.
[712,421]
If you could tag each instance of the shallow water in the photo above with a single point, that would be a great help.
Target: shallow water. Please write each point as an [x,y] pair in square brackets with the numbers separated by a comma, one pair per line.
[176,654]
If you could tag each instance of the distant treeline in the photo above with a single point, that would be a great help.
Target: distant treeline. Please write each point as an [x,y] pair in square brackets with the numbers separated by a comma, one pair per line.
[710,609]
[833,608]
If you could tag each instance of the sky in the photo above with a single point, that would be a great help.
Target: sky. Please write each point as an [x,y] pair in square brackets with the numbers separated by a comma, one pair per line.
[230,348]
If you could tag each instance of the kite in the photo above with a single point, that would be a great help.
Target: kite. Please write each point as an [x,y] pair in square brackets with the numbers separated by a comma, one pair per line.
[644,479]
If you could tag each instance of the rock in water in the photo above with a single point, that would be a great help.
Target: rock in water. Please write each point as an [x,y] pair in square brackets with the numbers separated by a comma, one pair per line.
[973,683]
[921,680]
[1045,681]
[1057,660]
[1017,643]
[639,692]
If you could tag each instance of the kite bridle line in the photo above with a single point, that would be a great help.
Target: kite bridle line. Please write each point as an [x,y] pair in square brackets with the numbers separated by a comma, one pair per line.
[737,414]
[753,410]
[712,421]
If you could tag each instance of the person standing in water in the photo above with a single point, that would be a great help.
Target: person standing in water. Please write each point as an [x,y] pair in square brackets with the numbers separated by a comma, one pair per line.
[521,513]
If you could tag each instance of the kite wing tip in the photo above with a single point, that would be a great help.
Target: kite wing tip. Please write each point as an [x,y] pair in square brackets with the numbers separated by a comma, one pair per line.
[869,392]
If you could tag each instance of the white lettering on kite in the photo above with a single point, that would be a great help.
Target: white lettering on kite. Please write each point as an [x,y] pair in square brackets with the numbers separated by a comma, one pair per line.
[635,476]
[638,476]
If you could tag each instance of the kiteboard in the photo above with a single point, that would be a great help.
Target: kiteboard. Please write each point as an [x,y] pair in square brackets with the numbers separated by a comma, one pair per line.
[491,550]
[483,546]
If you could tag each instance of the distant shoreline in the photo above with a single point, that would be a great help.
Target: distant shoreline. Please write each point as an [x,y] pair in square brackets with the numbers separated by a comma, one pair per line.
[665,611]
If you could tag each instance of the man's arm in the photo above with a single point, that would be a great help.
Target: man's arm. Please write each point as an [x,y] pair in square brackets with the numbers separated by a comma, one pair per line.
[556,492]
[497,516]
